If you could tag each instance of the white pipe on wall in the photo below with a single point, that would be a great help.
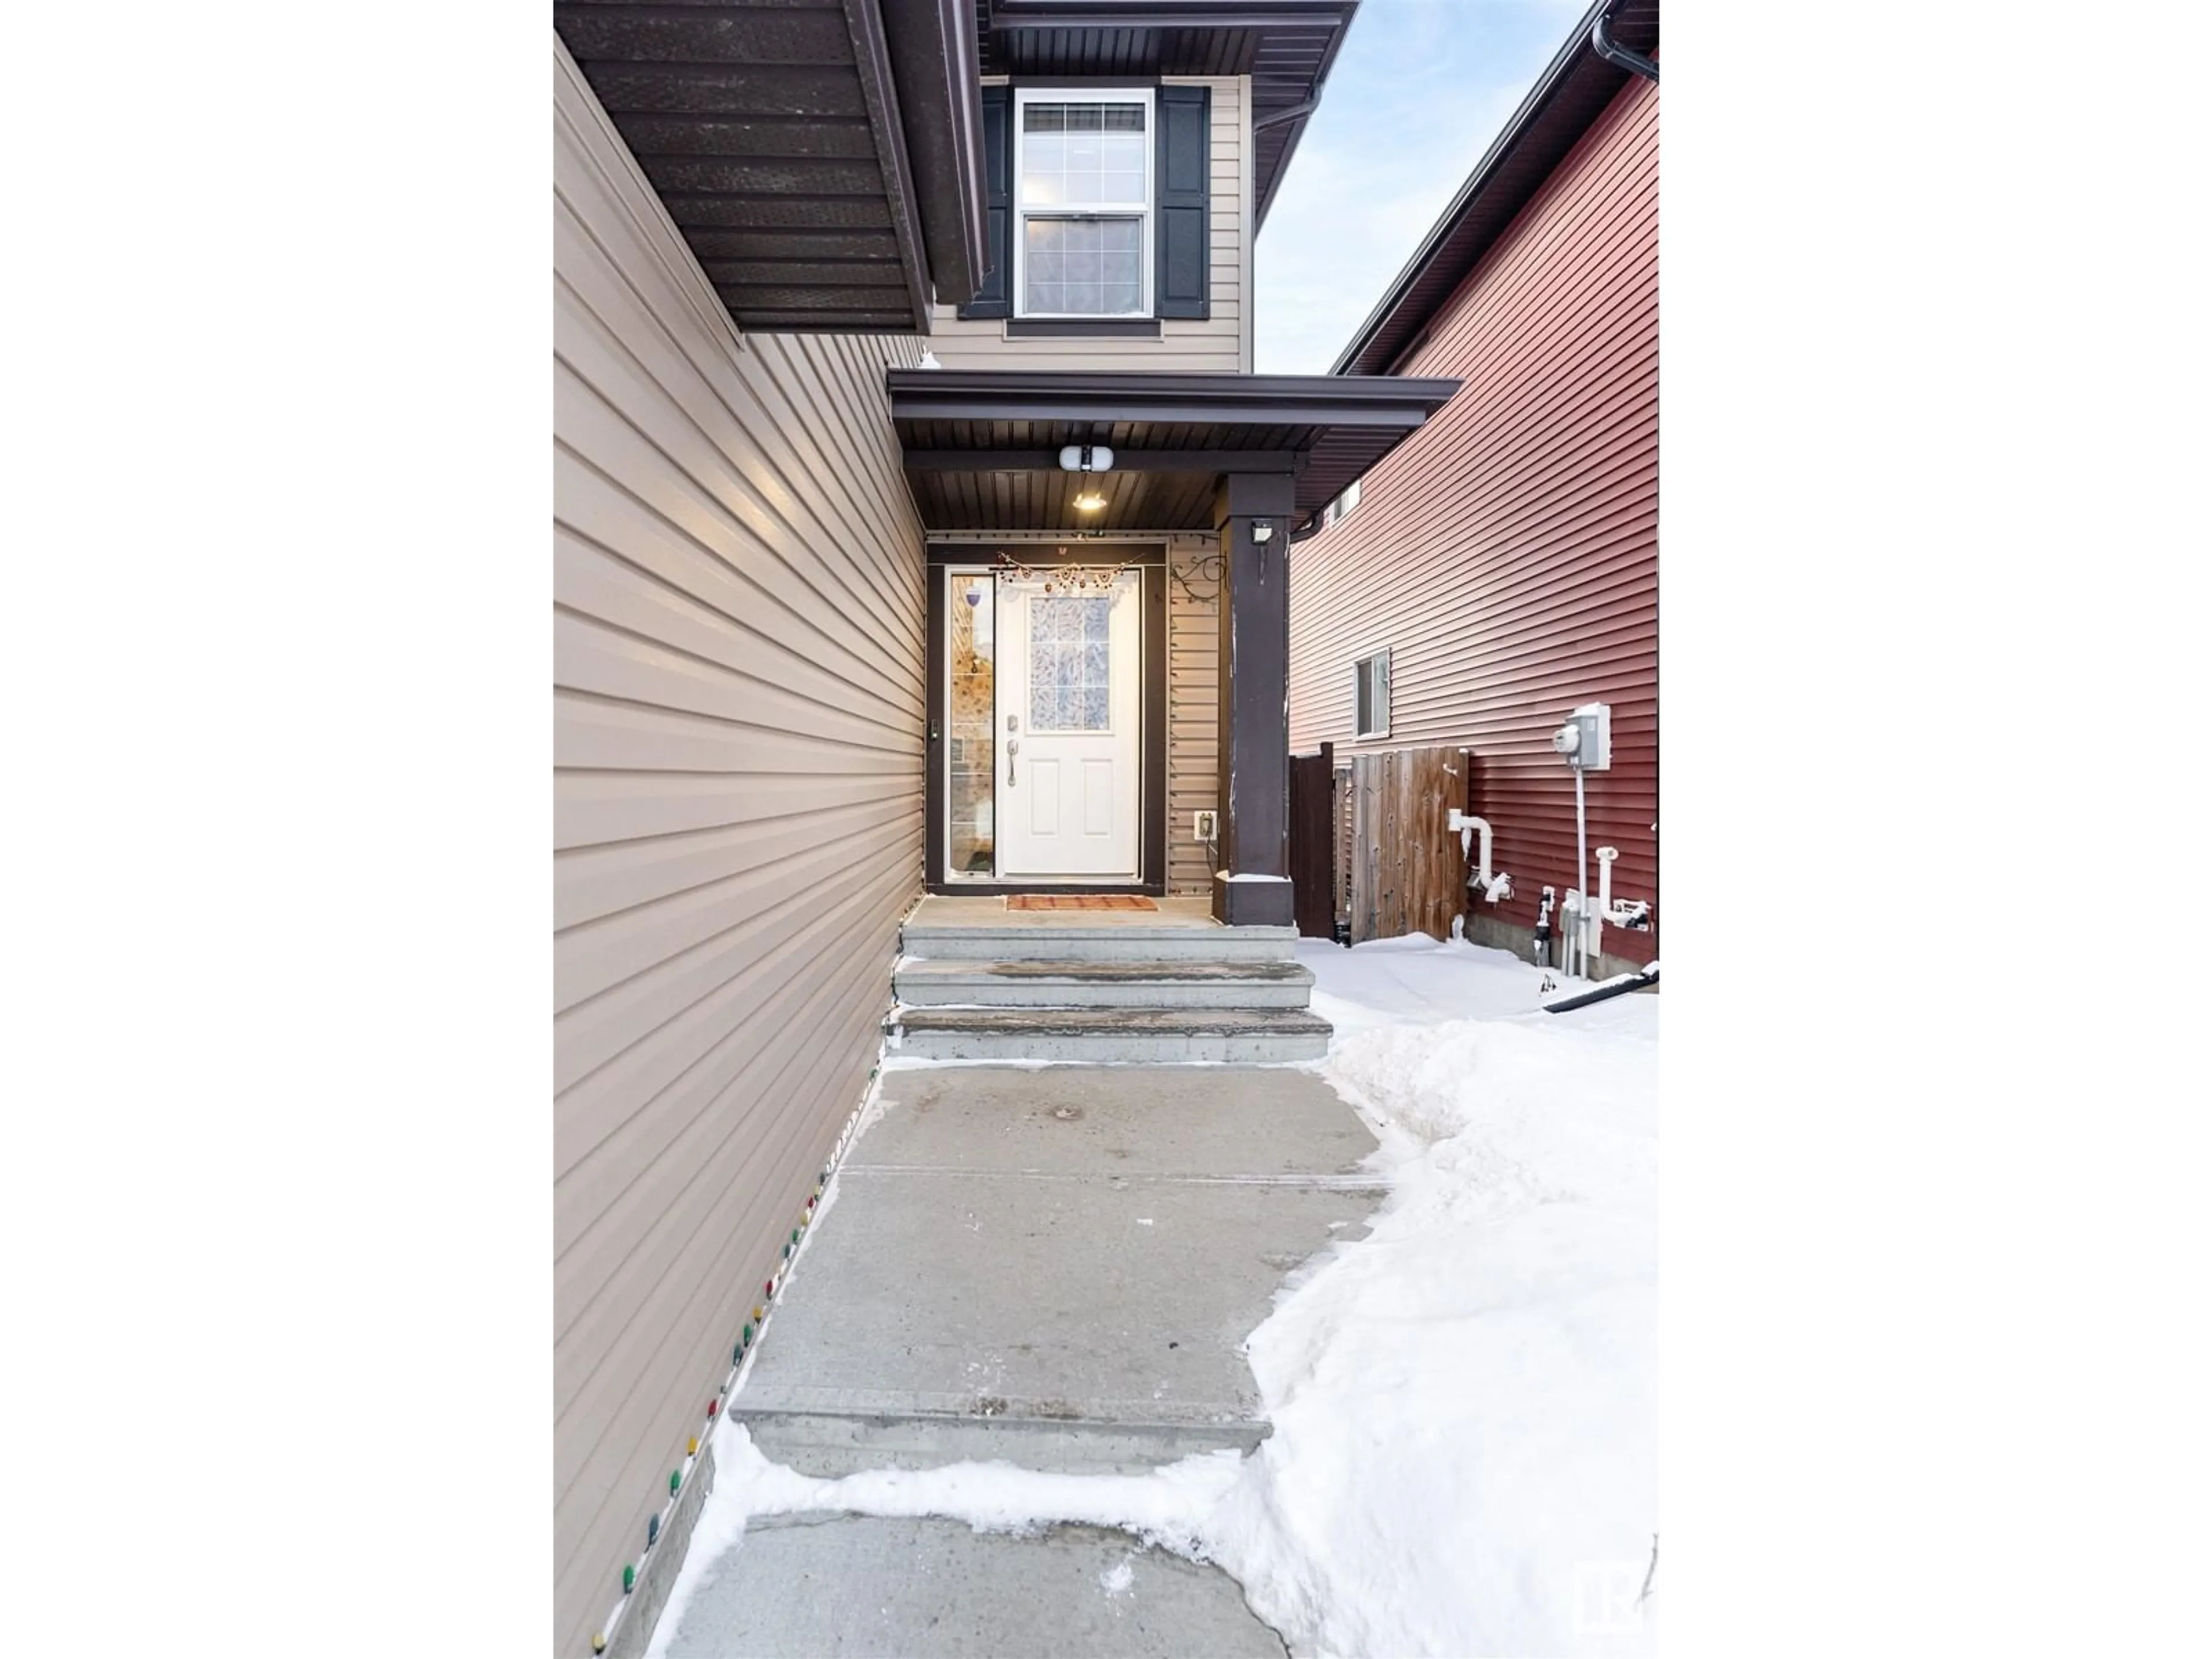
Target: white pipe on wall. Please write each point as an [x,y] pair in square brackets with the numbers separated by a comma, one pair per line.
[1470,827]
[1606,855]
[1582,867]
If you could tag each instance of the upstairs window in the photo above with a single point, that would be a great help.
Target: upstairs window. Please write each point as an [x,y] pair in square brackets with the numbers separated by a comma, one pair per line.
[1372,695]
[1082,195]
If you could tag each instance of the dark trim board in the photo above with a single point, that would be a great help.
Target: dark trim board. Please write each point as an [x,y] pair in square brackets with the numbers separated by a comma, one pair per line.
[1125,460]
[1186,398]
[1113,79]
[1152,825]
[1154,830]
[1009,889]
[932,727]
[1082,328]
[1101,552]
[936,56]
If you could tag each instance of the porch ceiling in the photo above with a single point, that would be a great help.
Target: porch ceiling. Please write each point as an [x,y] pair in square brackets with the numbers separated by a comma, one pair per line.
[823,158]
[981,447]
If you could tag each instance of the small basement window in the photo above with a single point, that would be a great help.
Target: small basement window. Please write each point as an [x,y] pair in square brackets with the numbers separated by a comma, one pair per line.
[1372,695]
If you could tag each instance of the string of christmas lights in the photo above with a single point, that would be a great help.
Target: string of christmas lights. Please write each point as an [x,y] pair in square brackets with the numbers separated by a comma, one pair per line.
[1077,579]
[741,1353]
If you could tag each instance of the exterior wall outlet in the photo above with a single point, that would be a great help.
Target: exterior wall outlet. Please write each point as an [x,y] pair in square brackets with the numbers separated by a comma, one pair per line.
[1202,825]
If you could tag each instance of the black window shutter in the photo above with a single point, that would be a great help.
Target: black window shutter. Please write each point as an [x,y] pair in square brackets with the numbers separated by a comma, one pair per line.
[994,298]
[1183,227]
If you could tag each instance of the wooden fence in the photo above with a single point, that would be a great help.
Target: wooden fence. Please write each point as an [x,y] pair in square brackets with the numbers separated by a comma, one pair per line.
[1372,853]
[1316,894]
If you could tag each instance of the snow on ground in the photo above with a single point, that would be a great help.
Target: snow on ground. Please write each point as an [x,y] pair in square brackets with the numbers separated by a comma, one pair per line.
[1464,1459]
[1465,1453]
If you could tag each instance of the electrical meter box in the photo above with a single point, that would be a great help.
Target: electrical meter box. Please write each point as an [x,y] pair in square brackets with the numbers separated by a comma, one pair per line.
[1592,751]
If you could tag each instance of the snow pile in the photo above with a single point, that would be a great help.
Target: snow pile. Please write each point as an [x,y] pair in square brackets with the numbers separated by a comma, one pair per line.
[1465,1453]
[1464,1459]
[1168,1507]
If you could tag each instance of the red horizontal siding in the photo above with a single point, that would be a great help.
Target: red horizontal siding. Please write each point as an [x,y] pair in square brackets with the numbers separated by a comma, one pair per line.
[1508,553]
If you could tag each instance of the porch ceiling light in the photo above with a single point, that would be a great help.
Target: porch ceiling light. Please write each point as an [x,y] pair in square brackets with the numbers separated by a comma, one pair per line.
[1086,457]
[1090,501]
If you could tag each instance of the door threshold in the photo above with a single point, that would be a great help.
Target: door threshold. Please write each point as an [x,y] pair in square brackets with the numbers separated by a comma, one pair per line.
[1017,888]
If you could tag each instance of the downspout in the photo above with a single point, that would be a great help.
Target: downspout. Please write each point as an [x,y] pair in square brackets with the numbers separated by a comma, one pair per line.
[1620,985]
[1613,52]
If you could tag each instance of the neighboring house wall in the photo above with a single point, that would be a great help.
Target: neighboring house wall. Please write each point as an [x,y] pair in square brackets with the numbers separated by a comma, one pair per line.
[1507,555]
[738,730]
[1220,344]
[1194,706]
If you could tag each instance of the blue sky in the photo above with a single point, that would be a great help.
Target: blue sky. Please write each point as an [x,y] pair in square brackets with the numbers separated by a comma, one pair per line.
[1417,91]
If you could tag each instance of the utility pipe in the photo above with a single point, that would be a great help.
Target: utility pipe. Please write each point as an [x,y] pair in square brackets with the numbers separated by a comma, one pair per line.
[1606,855]
[1495,884]
[1582,857]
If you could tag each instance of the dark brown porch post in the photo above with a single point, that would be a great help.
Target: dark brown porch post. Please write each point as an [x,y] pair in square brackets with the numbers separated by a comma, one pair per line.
[1254,755]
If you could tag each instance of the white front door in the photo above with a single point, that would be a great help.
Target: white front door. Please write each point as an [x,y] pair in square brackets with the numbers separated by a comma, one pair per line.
[1070,706]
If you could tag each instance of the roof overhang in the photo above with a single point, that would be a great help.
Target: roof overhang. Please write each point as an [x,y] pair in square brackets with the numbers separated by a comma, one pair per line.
[983,447]
[1286,46]
[1570,95]
[824,159]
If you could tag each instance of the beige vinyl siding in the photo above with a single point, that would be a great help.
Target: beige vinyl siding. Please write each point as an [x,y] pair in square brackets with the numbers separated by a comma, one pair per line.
[738,705]
[1220,344]
[1194,705]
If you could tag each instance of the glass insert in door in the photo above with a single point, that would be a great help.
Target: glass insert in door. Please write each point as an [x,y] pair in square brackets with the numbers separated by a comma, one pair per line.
[1070,679]
[970,694]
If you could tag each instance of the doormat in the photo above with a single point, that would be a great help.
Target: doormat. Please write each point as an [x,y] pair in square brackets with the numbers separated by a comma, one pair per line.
[1080,901]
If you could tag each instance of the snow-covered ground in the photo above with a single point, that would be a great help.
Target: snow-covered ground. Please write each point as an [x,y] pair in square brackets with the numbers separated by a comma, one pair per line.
[1464,1459]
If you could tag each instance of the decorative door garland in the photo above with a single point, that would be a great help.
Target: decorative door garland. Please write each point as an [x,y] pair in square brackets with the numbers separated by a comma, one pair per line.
[1071,578]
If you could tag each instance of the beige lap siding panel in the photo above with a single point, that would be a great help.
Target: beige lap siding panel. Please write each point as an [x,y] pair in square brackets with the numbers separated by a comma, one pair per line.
[1507,553]
[1215,345]
[738,702]
[1194,706]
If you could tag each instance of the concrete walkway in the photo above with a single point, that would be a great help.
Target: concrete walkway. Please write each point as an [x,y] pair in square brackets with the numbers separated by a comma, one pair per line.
[1056,1268]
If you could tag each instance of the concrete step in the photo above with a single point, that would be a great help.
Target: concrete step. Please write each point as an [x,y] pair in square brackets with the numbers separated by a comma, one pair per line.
[1112,1035]
[1169,983]
[874,1586]
[1061,941]
[1052,1436]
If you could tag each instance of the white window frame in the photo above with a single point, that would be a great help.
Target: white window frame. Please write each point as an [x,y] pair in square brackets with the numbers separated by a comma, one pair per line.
[1140,96]
[1340,507]
[1360,672]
